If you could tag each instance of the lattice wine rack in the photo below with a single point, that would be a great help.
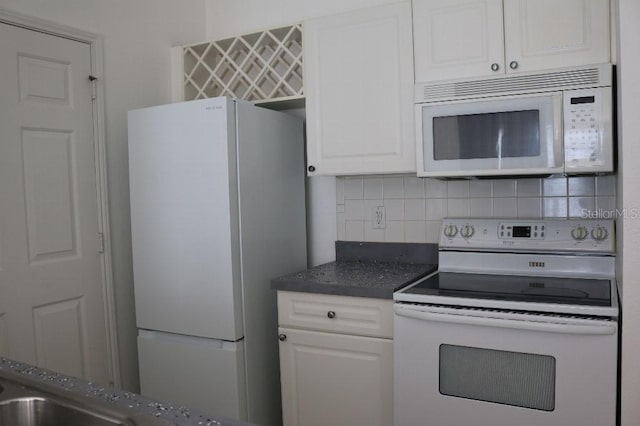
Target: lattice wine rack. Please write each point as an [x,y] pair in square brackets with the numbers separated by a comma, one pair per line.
[263,66]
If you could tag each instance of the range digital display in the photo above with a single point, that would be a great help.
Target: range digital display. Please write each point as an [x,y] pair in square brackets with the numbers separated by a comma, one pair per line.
[521,232]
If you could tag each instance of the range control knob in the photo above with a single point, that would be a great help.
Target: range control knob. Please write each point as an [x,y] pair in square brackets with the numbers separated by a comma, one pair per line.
[450,231]
[599,233]
[467,231]
[579,233]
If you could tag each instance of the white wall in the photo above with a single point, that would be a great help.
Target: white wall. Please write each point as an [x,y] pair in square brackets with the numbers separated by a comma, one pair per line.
[137,37]
[232,17]
[629,228]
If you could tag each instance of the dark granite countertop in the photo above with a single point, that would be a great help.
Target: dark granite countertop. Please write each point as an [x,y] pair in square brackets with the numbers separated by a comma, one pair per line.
[354,278]
[364,270]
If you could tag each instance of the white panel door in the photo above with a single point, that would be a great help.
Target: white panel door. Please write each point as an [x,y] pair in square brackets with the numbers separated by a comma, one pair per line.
[359,90]
[457,39]
[542,34]
[52,310]
[335,379]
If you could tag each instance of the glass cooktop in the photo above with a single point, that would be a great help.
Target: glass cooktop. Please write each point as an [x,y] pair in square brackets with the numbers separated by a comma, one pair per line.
[515,288]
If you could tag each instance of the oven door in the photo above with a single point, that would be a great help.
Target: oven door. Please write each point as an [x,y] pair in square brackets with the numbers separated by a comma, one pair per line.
[497,136]
[456,366]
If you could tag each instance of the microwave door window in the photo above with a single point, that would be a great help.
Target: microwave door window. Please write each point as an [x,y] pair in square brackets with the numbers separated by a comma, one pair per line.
[512,134]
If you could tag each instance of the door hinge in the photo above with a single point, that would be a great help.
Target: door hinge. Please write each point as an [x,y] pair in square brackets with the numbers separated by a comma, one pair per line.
[94,89]
[100,242]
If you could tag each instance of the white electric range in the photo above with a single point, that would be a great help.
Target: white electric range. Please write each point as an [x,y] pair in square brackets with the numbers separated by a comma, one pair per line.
[517,327]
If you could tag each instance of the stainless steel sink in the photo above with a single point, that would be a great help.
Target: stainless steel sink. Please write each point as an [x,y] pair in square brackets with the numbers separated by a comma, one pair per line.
[35,411]
[25,402]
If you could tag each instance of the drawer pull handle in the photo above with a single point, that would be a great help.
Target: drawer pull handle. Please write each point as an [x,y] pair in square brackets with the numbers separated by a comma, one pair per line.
[331,314]
[282,337]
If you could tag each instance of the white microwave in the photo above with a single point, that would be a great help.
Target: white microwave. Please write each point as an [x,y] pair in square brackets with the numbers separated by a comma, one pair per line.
[557,124]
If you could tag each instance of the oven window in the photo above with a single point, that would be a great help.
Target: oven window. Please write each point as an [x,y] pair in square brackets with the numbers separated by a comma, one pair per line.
[487,135]
[511,378]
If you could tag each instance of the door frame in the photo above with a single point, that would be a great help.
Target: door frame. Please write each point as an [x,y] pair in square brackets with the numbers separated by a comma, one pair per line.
[96,45]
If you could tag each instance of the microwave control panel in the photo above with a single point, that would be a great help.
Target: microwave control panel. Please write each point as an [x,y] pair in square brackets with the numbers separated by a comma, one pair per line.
[588,142]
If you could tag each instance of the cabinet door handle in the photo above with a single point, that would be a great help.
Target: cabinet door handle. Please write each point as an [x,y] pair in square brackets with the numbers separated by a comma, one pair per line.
[282,337]
[495,67]
[331,314]
[311,168]
[513,65]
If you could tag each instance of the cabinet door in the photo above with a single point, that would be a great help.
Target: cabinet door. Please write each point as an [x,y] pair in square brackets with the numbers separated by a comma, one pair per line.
[334,379]
[457,38]
[359,92]
[542,34]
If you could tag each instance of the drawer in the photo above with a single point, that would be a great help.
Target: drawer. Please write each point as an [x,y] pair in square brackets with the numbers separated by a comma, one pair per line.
[362,316]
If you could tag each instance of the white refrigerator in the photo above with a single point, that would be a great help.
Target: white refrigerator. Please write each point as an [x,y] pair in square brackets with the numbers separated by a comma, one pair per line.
[217,211]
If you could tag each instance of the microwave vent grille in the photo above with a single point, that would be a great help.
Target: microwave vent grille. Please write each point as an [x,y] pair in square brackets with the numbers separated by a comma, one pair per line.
[551,81]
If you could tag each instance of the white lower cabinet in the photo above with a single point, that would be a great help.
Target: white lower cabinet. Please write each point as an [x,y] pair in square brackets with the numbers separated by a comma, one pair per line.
[332,378]
[335,379]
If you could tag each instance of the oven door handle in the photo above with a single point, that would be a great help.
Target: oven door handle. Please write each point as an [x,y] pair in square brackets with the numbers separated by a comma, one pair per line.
[548,327]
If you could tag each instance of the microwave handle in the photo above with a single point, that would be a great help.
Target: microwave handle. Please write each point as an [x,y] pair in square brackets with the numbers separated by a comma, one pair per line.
[506,323]
[558,130]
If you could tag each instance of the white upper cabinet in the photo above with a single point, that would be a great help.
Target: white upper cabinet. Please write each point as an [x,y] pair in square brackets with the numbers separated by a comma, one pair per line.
[543,34]
[359,92]
[456,39]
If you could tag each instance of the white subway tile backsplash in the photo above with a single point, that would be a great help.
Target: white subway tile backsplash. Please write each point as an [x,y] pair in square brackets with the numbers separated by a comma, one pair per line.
[355,230]
[581,206]
[605,185]
[353,188]
[372,188]
[436,188]
[504,188]
[354,209]
[436,208]
[606,206]
[433,231]
[414,209]
[554,187]
[371,233]
[458,189]
[582,186]
[394,232]
[413,187]
[505,207]
[393,187]
[394,209]
[415,232]
[529,206]
[339,191]
[480,207]
[529,187]
[341,224]
[480,188]
[458,207]
[555,207]
[369,207]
